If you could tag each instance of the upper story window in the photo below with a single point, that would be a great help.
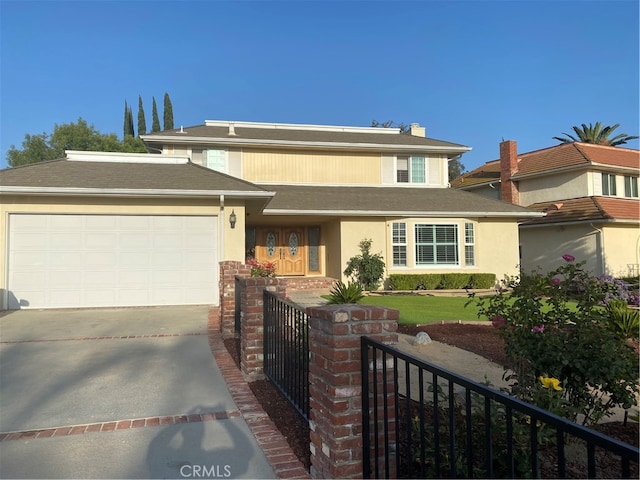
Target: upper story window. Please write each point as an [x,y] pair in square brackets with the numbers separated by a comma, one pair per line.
[411,169]
[608,184]
[215,160]
[631,187]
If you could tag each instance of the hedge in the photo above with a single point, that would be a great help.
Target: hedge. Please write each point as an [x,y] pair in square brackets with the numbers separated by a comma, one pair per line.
[441,281]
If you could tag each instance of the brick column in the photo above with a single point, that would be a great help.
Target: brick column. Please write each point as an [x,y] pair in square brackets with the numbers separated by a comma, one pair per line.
[336,383]
[252,323]
[228,272]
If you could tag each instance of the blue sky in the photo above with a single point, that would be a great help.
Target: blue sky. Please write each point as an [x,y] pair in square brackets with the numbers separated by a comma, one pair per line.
[471,72]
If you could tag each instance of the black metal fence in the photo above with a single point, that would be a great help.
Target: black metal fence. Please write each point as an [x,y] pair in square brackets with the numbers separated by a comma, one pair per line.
[286,350]
[421,421]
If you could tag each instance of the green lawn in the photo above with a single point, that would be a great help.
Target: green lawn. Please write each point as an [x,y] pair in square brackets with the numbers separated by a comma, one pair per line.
[422,309]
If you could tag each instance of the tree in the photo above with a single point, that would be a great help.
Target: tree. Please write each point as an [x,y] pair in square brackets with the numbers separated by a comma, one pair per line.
[366,269]
[456,168]
[142,123]
[155,125]
[404,128]
[596,134]
[168,112]
[128,121]
[69,136]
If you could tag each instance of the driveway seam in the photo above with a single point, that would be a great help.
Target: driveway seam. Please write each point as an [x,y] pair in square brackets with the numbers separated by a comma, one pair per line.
[104,337]
[284,462]
[113,425]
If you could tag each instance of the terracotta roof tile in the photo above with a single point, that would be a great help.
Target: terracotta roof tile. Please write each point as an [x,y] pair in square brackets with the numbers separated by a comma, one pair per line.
[586,209]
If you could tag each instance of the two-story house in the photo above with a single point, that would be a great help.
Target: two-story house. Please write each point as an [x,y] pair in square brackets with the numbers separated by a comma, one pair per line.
[104,229]
[589,194]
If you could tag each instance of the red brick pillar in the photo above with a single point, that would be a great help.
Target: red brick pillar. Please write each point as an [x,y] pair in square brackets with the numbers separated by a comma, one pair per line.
[228,272]
[336,384]
[252,322]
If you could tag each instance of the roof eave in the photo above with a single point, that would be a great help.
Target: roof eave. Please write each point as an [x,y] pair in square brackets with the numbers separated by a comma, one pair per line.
[129,192]
[400,213]
[239,142]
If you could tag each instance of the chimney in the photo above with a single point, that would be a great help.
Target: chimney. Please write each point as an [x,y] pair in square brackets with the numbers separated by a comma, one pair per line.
[509,166]
[417,131]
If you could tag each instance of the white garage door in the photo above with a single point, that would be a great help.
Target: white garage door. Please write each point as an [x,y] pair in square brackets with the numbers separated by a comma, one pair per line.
[111,260]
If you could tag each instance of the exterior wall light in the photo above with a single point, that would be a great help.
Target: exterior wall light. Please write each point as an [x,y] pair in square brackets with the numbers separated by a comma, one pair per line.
[232,219]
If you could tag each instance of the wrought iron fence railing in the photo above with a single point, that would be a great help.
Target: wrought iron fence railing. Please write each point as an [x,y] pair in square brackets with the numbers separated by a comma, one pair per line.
[286,350]
[421,421]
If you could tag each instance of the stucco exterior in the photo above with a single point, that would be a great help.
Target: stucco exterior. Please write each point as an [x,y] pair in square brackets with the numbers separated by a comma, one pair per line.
[548,187]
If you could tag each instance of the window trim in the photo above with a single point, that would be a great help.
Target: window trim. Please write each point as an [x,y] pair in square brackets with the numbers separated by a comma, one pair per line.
[410,169]
[609,185]
[399,244]
[630,186]
[435,243]
[471,244]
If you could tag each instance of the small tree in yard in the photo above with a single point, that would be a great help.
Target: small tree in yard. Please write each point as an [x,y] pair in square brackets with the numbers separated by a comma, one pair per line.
[366,269]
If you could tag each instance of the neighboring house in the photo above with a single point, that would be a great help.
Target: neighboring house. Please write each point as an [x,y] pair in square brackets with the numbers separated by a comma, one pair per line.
[589,194]
[104,229]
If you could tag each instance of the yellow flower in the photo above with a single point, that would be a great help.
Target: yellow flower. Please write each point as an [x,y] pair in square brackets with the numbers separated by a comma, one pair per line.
[550,382]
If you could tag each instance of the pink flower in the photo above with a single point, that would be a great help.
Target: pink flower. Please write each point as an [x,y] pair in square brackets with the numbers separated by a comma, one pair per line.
[538,329]
[568,258]
[555,281]
[498,322]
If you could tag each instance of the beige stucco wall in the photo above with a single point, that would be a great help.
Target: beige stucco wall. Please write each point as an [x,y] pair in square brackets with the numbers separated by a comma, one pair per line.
[496,245]
[543,247]
[290,166]
[230,243]
[607,248]
[621,247]
[554,187]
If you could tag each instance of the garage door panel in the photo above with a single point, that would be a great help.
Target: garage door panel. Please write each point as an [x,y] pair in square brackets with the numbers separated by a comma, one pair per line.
[112,260]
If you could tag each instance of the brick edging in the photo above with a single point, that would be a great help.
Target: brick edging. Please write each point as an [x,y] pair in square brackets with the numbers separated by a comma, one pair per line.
[279,454]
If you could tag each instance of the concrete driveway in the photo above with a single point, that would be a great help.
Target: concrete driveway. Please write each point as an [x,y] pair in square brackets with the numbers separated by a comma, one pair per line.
[118,393]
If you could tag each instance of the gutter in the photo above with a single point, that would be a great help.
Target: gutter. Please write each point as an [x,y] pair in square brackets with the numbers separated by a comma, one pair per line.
[131,192]
[386,213]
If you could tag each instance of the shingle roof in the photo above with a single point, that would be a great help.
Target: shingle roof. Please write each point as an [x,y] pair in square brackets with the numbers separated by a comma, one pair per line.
[220,134]
[586,209]
[113,175]
[554,158]
[386,201]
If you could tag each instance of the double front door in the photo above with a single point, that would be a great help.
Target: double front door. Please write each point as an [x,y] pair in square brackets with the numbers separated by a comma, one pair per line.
[283,246]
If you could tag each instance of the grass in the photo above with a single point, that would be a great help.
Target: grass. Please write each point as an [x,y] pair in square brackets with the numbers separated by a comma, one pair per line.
[423,309]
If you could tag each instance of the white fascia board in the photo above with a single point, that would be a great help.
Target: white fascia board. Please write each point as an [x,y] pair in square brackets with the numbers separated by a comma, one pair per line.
[298,126]
[243,142]
[384,213]
[120,157]
[131,192]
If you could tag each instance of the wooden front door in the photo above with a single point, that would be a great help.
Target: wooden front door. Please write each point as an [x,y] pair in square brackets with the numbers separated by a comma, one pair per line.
[283,246]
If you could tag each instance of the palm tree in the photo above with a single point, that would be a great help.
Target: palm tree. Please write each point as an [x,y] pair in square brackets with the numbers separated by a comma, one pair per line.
[596,134]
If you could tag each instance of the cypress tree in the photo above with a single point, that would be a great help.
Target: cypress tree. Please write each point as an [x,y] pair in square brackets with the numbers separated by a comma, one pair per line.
[131,131]
[155,126]
[142,123]
[168,112]
[125,126]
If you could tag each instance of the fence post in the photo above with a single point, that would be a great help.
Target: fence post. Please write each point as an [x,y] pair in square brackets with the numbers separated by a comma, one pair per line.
[336,383]
[228,272]
[251,324]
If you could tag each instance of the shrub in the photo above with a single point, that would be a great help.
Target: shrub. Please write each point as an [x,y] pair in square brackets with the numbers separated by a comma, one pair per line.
[451,281]
[341,293]
[482,280]
[547,335]
[261,269]
[367,269]
[426,281]
[623,320]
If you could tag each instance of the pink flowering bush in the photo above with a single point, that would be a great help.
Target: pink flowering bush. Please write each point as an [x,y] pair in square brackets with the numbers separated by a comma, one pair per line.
[261,269]
[556,326]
